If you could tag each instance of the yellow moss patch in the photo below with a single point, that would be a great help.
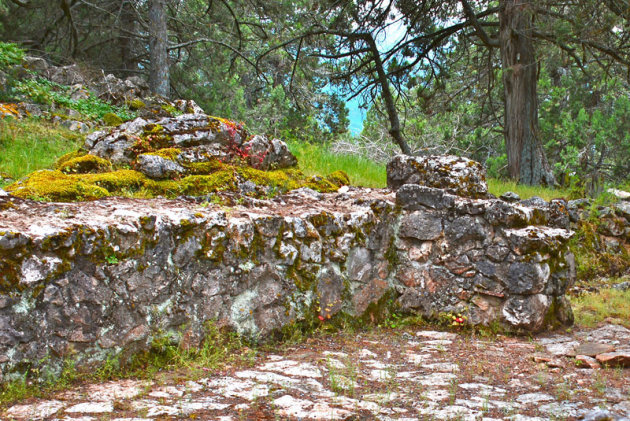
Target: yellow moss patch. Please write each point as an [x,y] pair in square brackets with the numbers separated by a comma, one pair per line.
[204,184]
[287,179]
[339,178]
[130,183]
[136,104]
[67,157]
[85,164]
[166,153]
[111,119]
[78,179]
[321,185]
[208,167]
[55,186]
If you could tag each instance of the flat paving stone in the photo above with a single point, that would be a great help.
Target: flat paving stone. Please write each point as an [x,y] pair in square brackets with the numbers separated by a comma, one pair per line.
[91,408]
[36,411]
[591,349]
[376,375]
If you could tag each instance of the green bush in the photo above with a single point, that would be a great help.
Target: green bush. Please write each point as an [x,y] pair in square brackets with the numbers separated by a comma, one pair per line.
[10,54]
[44,91]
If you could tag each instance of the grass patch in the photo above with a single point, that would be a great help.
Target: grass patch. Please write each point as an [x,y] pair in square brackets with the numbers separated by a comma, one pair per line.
[610,305]
[219,349]
[29,145]
[318,159]
[498,186]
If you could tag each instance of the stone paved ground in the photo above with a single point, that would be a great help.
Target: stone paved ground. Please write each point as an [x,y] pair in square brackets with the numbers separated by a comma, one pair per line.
[378,375]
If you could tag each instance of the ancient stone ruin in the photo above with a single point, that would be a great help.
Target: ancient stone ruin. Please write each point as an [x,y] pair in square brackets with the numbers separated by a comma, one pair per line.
[89,280]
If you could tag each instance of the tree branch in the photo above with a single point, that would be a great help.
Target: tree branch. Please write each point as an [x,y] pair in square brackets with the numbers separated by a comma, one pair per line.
[481,33]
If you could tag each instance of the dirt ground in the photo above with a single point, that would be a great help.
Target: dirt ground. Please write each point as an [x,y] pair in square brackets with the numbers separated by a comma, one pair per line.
[380,374]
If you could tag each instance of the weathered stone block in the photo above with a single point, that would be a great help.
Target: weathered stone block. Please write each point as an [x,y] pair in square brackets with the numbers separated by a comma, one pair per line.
[416,197]
[457,175]
[121,271]
[421,227]
[158,168]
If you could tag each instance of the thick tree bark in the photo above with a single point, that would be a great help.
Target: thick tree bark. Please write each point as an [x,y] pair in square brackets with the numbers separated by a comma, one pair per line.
[158,44]
[390,105]
[527,162]
[126,42]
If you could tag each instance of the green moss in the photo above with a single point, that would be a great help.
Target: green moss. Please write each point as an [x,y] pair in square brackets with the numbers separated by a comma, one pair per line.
[85,164]
[111,119]
[10,264]
[153,139]
[69,156]
[593,260]
[204,184]
[321,185]
[116,181]
[378,311]
[172,110]
[153,129]
[81,176]
[338,178]
[136,104]
[167,153]
[55,186]
[209,167]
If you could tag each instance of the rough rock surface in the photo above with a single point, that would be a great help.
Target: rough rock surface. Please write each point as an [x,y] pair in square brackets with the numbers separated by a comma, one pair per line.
[456,175]
[197,138]
[382,374]
[106,87]
[620,194]
[107,277]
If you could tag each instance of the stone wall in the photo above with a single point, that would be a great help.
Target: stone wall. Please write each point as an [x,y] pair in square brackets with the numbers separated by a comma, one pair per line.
[85,281]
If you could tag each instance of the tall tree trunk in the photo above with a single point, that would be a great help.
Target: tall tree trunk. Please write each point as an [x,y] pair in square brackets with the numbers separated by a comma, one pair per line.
[527,162]
[158,44]
[390,105]
[126,41]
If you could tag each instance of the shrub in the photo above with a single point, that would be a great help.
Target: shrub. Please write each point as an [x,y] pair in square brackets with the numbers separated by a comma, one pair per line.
[10,54]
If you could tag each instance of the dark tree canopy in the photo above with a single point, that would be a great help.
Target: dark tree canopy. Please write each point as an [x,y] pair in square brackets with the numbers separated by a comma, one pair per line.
[282,65]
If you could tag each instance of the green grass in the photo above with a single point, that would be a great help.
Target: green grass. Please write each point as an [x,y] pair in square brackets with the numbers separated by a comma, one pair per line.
[29,145]
[218,349]
[498,187]
[319,160]
[610,305]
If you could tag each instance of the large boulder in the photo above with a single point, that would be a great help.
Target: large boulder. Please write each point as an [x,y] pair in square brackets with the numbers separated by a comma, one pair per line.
[190,154]
[266,154]
[456,175]
[187,140]
[110,88]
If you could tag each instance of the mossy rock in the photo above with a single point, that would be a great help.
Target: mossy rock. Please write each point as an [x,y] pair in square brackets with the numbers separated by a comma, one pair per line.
[81,176]
[85,164]
[136,104]
[196,185]
[171,110]
[338,178]
[208,167]
[55,186]
[69,156]
[111,119]
[167,153]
